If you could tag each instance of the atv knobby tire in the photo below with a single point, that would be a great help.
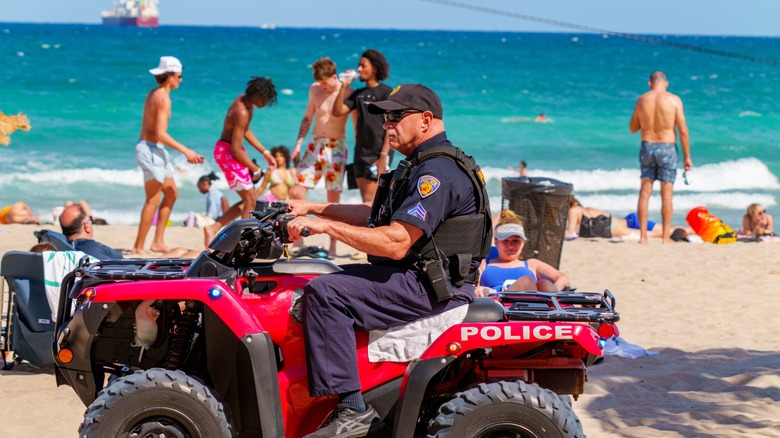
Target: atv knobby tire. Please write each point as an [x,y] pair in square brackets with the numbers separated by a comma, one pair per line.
[502,409]
[155,402]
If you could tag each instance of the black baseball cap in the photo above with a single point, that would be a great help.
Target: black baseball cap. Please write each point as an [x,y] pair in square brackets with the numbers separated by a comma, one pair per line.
[409,96]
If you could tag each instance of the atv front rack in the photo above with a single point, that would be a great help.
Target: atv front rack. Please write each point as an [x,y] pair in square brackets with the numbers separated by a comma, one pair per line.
[560,306]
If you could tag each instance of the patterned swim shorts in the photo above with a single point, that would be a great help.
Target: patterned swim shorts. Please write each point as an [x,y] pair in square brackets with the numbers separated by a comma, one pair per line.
[326,156]
[658,161]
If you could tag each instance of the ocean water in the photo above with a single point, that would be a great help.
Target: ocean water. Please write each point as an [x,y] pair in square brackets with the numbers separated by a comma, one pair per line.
[83,87]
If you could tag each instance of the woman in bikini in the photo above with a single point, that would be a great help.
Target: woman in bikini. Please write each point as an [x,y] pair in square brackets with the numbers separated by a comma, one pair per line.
[508,272]
[757,221]
[280,180]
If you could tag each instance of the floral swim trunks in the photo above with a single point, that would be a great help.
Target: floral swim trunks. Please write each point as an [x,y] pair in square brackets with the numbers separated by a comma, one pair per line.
[237,175]
[326,156]
[658,161]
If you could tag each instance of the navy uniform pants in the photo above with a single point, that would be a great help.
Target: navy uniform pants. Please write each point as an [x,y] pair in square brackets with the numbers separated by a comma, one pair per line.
[362,297]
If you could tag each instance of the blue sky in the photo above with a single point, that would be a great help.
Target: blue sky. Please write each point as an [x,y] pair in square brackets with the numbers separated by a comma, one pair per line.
[697,17]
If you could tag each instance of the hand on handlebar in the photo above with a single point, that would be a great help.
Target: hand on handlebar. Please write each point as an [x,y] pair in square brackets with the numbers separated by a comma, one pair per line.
[298,207]
[304,227]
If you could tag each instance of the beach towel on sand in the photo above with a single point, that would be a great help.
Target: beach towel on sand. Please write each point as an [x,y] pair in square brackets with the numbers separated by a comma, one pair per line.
[57,264]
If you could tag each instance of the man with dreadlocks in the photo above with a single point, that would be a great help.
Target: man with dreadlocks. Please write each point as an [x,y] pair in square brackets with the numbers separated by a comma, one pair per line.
[153,158]
[229,152]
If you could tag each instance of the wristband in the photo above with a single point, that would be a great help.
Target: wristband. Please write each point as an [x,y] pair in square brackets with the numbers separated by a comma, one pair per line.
[383,154]
[266,152]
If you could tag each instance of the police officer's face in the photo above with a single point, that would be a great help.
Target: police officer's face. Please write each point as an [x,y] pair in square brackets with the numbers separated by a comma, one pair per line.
[402,134]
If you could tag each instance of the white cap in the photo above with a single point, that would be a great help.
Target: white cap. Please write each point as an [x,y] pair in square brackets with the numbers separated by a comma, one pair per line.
[168,64]
[506,231]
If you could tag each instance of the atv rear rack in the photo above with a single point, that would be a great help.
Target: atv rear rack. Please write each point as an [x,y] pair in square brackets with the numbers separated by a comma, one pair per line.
[135,269]
[560,306]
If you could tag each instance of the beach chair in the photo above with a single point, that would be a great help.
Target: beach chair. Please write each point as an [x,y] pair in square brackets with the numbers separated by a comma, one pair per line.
[26,314]
[59,240]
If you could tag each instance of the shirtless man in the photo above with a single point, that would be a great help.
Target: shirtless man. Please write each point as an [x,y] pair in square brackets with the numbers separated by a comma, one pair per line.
[152,157]
[326,153]
[229,152]
[656,114]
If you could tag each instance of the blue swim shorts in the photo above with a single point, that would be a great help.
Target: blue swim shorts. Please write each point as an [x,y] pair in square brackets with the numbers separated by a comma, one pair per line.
[658,161]
[632,221]
[154,161]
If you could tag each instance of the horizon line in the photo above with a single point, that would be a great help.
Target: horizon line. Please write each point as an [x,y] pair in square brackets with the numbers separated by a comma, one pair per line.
[272,27]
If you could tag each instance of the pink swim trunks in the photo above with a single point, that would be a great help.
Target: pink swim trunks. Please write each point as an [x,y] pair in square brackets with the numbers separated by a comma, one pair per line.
[237,175]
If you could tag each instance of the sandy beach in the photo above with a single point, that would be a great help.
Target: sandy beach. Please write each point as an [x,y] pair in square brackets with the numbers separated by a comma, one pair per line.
[707,310]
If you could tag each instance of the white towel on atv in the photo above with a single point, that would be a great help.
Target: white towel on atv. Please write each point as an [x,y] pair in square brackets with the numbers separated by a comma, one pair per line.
[56,264]
[407,342]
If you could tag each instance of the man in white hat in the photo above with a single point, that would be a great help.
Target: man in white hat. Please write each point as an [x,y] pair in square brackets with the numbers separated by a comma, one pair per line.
[154,159]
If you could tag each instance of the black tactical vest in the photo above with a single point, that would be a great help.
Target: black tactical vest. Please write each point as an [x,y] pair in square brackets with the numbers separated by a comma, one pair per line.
[459,239]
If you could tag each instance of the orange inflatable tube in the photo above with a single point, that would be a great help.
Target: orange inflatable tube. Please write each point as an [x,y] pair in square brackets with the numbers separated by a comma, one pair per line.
[710,228]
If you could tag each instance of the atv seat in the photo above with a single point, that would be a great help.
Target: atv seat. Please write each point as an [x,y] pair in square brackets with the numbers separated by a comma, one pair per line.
[484,310]
[305,267]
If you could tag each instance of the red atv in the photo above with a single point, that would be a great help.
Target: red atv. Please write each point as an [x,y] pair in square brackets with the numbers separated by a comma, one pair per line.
[211,347]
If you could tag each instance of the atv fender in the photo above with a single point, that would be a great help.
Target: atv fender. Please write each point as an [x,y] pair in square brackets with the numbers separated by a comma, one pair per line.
[415,382]
[212,293]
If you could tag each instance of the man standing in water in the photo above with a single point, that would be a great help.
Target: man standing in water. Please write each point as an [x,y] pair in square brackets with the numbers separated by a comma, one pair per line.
[152,157]
[372,149]
[657,113]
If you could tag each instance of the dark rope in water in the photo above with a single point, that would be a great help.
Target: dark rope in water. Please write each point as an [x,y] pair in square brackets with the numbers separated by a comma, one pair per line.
[628,36]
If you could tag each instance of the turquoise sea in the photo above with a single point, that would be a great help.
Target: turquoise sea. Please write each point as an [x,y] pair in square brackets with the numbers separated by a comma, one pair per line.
[83,87]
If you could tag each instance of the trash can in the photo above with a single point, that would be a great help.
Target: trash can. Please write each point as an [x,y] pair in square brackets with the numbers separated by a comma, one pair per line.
[543,203]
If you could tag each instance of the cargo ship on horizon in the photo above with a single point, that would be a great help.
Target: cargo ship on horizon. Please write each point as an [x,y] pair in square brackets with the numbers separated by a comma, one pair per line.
[132,13]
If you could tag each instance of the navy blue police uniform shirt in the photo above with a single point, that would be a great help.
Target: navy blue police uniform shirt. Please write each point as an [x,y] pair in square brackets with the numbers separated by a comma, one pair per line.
[436,190]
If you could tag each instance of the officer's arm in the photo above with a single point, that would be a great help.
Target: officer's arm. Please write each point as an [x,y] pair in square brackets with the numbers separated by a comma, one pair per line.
[353,214]
[391,241]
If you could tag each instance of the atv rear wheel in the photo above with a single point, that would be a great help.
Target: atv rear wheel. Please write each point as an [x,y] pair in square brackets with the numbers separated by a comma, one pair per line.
[155,403]
[506,410]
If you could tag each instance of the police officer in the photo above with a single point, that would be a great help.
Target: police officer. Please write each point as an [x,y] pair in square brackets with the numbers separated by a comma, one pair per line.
[429,228]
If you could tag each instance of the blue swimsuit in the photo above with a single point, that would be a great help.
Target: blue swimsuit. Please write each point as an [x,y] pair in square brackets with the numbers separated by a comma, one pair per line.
[494,276]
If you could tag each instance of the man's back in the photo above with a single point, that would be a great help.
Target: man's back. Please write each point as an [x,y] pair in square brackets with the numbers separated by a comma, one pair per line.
[657,113]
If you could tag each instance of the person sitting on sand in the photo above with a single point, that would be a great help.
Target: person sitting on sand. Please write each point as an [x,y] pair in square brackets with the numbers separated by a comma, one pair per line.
[18,213]
[756,221]
[216,202]
[508,272]
[77,227]
[280,180]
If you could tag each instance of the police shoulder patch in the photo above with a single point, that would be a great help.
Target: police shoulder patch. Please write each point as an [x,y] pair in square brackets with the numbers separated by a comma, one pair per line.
[427,185]
[418,211]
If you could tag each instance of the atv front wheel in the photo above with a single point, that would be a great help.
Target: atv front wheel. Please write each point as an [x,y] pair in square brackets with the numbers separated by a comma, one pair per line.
[155,403]
[506,410]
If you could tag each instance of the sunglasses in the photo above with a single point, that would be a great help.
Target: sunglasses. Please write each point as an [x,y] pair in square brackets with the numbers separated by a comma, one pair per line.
[396,116]
[685,178]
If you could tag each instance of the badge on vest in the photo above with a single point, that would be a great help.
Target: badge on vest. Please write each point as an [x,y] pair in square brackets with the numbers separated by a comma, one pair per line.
[427,185]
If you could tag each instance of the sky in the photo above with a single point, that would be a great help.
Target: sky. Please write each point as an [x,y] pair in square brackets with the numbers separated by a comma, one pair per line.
[688,17]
